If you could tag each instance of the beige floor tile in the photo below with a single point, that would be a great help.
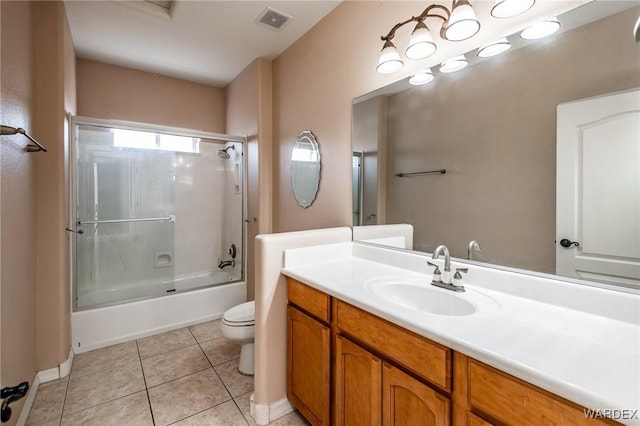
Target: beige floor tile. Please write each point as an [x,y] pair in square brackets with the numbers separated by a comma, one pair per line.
[48,403]
[172,365]
[104,359]
[55,422]
[291,419]
[236,383]
[225,414]
[129,410]
[243,402]
[206,331]
[184,397]
[165,342]
[220,350]
[94,389]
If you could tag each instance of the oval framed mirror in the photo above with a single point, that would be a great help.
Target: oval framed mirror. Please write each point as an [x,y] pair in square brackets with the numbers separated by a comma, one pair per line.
[305,168]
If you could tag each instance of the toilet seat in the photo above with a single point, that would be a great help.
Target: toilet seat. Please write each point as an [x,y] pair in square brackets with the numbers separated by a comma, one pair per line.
[242,315]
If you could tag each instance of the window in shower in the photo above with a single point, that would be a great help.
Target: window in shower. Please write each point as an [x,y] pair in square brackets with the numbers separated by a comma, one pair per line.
[156,213]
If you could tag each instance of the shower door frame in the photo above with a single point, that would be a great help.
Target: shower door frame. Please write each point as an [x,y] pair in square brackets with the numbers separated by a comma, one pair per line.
[75,120]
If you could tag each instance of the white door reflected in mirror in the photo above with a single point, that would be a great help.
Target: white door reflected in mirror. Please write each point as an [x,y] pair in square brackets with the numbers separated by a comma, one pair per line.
[305,168]
[598,189]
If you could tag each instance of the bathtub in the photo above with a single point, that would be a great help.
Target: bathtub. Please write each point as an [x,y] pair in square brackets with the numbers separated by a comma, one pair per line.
[105,326]
[131,292]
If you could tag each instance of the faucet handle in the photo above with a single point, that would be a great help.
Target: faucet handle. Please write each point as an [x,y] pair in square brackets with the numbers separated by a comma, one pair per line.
[458,270]
[437,275]
[457,277]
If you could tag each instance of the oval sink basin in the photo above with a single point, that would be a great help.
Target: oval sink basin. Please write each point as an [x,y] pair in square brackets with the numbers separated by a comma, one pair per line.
[420,295]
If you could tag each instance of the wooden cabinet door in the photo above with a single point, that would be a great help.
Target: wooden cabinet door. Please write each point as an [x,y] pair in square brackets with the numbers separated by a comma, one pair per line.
[358,385]
[308,366]
[409,402]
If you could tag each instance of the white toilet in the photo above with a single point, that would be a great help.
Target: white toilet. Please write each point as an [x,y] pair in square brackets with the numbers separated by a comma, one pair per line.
[238,325]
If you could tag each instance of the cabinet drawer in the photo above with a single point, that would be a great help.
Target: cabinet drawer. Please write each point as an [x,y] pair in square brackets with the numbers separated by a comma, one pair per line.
[513,401]
[423,357]
[309,299]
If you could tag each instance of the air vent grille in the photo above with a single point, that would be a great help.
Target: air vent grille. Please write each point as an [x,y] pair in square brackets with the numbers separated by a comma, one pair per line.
[273,18]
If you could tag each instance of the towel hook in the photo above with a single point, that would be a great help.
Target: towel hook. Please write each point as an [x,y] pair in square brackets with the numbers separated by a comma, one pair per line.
[8,130]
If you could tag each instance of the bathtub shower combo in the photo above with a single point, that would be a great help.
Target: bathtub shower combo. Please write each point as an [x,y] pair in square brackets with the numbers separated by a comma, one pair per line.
[159,233]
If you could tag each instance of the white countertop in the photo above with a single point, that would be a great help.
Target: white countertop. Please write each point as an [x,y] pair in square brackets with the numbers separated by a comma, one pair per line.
[549,333]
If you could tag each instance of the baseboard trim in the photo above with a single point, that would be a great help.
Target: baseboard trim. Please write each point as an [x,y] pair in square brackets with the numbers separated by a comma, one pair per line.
[65,367]
[44,376]
[263,414]
[31,396]
[49,375]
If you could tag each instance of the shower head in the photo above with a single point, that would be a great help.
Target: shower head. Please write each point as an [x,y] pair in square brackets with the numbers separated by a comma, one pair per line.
[224,154]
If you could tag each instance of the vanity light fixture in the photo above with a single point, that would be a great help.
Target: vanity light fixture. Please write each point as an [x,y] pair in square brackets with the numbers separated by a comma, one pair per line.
[459,23]
[541,29]
[453,65]
[495,48]
[421,44]
[510,8]
[389,59]
[421,78]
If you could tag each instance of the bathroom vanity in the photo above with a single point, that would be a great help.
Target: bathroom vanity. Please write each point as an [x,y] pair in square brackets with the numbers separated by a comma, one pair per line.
[366,345]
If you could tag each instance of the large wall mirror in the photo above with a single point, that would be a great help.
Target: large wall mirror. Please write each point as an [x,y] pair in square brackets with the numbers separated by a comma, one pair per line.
[493,127]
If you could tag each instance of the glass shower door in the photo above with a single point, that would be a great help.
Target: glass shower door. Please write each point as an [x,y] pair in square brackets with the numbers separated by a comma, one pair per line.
[125,210]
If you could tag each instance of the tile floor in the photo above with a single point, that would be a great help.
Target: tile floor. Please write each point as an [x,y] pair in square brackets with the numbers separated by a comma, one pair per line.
[184,377]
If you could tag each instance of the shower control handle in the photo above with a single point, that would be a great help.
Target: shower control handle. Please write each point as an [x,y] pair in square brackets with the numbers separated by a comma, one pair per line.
[79,231]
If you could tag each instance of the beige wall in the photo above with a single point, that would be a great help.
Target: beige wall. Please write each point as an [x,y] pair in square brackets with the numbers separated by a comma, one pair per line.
[37,89]
[17,202]
[248,100]
[54,89]
[315,81]
[501,163]
[114,92]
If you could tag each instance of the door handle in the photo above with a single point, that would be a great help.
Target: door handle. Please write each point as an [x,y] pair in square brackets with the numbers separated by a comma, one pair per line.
[568,243]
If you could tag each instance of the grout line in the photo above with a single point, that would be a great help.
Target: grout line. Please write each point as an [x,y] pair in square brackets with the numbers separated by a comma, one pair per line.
[171,350]
[64,399]
[202,411]
[146,389]
[240,409]
[96,404]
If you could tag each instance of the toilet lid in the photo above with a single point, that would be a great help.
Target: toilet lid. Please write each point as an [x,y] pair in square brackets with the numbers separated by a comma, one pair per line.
[241,314]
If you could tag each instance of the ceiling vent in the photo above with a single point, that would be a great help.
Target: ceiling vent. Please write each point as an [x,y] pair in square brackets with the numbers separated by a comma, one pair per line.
[273,19]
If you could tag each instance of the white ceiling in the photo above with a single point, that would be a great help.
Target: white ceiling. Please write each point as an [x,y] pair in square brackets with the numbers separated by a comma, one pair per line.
[208,41]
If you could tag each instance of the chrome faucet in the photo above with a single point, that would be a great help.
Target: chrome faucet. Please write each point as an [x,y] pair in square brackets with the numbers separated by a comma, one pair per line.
[473,245]
[446,277]
[224,263]
[445,280]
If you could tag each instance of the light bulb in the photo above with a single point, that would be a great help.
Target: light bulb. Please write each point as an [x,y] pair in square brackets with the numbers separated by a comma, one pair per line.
[421,43]
[541,29]
[389,59]
[509,8]
[421,78]
[463,22]
[494,48]
[453,65]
